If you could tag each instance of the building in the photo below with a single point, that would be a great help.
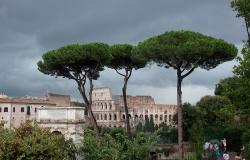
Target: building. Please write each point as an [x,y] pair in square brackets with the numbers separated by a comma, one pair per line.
[69,121]
[54,112]
[109,109]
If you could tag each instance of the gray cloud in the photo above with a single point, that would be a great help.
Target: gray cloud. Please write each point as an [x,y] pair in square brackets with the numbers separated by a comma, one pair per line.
[30,28]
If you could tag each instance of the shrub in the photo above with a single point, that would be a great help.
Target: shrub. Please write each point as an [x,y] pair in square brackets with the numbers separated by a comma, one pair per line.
[233,135]
[32,142]
[246,137]
[113,144]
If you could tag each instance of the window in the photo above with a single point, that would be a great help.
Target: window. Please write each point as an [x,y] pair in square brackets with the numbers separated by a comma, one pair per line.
[5,109]
[105,117]
[115,117]
[22,109]
[35,109]
[28,110]
[0,109]
[14,109]
[110,117]
[123,116]
[110,106]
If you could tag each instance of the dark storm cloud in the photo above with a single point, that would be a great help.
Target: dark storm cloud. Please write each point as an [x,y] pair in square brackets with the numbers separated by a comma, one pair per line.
[28,28]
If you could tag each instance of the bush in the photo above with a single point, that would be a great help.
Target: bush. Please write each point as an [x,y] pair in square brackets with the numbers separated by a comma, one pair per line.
[32,142]
[247,152]
[246,137]
[213,132]
[113,144]
[233,135]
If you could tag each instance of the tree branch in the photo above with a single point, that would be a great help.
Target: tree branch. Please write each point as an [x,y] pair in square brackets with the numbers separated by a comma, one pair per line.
[120,73]
[130,72]
[171,65]
[186,74]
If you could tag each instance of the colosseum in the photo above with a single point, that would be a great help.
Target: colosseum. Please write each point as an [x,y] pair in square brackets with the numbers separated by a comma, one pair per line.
[109,109]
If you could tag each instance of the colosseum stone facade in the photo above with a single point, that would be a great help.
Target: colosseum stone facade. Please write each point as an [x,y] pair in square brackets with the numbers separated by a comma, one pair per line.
[109,109]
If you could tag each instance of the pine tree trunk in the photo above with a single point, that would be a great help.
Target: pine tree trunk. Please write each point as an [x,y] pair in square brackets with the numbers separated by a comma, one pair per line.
[88,103]
[92,117]
[179,111]
[124,91]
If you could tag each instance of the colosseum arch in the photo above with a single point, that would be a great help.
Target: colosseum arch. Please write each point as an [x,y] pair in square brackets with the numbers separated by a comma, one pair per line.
[141,116]
[105,117]
[115,118]
[166,118]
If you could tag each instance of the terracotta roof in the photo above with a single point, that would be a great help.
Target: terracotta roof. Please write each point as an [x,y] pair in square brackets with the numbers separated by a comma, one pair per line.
[25,100]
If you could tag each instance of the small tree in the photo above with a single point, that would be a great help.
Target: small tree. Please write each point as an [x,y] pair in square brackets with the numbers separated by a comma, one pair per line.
[79,63]
[242,7]
[125,59]
[147,124]
[216,111]
[185,51]
[151,124]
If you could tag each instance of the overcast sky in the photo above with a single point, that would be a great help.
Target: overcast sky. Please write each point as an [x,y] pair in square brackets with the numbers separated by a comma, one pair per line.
[29,28]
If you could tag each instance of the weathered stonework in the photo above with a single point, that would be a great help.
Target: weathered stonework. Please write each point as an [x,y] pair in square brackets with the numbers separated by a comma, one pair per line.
[109,110]
[54,112]
[67,120]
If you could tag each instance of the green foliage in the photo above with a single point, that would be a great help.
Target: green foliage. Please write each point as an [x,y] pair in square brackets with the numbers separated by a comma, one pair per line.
[71,60]
[186,50]
[197,139]
[139,127]
[214,132]
[242,7]
[124,56]
[167,134]
[114,144]
[147,124]
[233,135]
[216,110]
[78,104]
[30,142]
[247,152]
[151,124]
[191,115]
[237,88]
[243,69]
[246,137]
